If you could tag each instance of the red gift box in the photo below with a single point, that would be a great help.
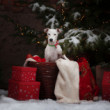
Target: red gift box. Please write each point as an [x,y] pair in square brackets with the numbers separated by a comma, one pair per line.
[24,74]
[23,90]
[106,86]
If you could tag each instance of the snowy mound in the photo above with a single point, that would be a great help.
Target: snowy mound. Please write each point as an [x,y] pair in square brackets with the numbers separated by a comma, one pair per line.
[7,103]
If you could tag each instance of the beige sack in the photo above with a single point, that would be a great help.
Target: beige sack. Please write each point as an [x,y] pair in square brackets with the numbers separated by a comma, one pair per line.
[67,83]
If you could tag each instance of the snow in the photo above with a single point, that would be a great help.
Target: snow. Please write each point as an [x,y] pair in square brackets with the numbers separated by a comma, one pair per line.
[66,24]
[76,15]
[91,36]
[74,35]
[7,103]
[35,5]
[53,21]
[51,9]
[3,92]
[61,1]
[42,8]
[107,38]
[75,40]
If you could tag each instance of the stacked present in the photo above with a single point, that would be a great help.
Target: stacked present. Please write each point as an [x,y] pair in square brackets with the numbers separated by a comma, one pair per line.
[23,86]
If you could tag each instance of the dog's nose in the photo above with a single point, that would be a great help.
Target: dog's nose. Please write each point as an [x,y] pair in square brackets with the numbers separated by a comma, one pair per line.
[51,40]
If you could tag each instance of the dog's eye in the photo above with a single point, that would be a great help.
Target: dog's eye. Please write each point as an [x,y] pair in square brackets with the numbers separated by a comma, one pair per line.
[54,34]
[49,34]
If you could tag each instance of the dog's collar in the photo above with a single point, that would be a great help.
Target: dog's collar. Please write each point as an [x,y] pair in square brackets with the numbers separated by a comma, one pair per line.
[54,45]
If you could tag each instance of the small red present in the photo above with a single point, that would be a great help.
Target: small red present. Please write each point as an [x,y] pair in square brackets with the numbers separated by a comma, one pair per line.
[23,90]
[25,74]
[106,86]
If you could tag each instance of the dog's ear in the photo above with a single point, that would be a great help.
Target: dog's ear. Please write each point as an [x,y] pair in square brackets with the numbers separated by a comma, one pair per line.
[46,30]
[58,30]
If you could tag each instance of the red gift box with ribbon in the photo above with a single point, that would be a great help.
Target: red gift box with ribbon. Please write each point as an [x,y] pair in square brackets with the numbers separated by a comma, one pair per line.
[23,90]
[25,74]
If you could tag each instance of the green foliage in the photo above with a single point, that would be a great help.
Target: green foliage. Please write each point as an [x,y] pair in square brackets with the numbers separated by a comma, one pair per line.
[89,17]
[97,52]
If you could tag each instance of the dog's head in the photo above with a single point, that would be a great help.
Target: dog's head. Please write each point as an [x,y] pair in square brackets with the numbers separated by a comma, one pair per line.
[52,35]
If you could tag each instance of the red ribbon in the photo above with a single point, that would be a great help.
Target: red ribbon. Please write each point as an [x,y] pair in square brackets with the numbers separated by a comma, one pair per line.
[56,44]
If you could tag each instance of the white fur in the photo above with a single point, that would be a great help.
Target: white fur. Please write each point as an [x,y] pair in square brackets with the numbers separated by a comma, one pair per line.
[52,53]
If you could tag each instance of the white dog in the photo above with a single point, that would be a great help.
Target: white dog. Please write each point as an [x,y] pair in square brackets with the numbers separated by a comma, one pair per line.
[53,50]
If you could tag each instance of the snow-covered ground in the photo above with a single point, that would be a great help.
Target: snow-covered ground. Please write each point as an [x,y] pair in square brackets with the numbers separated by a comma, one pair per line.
[7,103]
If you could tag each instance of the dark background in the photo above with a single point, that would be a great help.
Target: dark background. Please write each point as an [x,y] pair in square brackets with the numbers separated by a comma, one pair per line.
[13,50]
